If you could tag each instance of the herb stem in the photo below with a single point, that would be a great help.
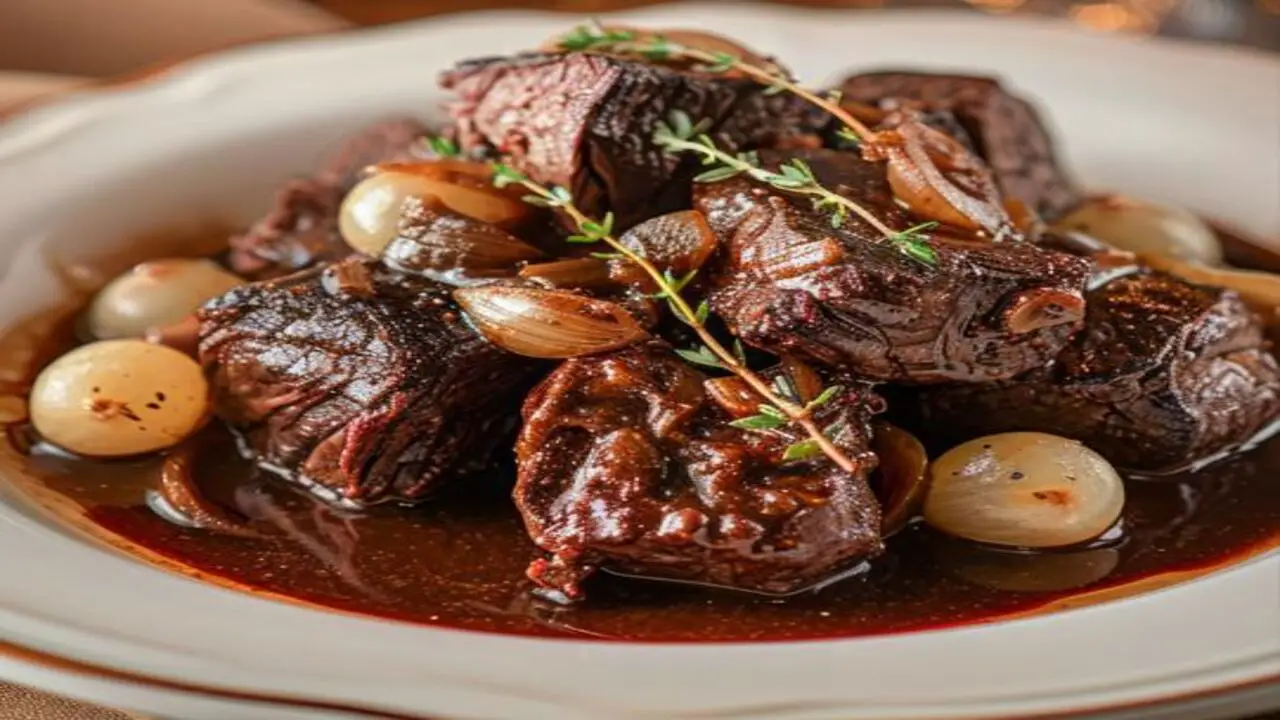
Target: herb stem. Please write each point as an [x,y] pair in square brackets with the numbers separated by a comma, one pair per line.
[661,48]
[797,414]
[766,176]
[681,135]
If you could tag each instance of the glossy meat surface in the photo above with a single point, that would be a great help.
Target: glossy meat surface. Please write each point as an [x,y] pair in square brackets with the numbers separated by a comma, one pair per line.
[361,383]
[301,228]
[626,463]
[1163,374]
[845,298]
[1004,129]
[585,122]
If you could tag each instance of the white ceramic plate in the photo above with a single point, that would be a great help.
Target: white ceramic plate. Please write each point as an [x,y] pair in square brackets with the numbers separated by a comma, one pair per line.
[1187,124]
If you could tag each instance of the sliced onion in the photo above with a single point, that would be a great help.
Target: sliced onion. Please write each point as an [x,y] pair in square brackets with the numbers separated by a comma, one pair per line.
[937,177]
[179,500]
[370,215]
[901,478]
[806,381]
[571,273]
[733,396]
[547,323]
[680,242]
[1261,289]
[432,239]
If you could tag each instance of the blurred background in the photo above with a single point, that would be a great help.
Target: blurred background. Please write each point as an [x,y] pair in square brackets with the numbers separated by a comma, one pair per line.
[49,46]
[95,38]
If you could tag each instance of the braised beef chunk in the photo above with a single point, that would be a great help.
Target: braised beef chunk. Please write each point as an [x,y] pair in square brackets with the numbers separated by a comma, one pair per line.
[844,297]
[301,229]
[361,383]
[1004,129]
[626,464]
[585,122]
[1163,374]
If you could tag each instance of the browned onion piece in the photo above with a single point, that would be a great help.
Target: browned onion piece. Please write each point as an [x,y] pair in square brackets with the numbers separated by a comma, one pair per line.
[806,381]
[571,273]
[937,177]
[733,396]
[1260,289]
[547,323]
[679,241]
[901,478]
[434,240]
[180,501]
[1031,310]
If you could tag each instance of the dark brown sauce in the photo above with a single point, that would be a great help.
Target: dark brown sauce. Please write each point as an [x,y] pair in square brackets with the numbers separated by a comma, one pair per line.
[459,560]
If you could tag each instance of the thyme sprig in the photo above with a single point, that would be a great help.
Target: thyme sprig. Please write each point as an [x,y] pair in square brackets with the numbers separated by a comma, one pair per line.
[779,408]
[659,48]
[680,135]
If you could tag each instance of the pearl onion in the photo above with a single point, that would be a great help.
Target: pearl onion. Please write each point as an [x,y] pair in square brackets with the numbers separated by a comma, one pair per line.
[154,295]
[116,398]
[1025,490]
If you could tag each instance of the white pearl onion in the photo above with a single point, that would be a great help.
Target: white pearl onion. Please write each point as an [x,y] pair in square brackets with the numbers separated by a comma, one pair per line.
[370,215]
[1144,227]
[1025,490]
[116,398]
[156,294]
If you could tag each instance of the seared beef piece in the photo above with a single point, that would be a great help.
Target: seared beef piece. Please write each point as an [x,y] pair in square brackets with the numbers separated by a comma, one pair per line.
[790,283]
[585,122]
[1004,129]
[625,463]
[301,229]
[359,382]
[1165,373]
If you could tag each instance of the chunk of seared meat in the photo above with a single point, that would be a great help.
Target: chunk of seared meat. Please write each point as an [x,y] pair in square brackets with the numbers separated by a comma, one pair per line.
[358,382]
[585,122]
[301,229]
[1003,128]
[1165,373]
[626,463]
[844,297]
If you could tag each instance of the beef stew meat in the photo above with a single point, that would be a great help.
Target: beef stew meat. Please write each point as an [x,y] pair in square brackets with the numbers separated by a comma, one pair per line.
[1164,374]
[361,383]
[301,229]
[721,349]
[625,462]
[1005,130]
[585,122]
[845,298]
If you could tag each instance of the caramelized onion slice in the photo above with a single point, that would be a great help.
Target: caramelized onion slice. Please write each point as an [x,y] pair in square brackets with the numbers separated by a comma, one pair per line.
[433,239]
[571,273]
[733,396]
[680,242]
[901,478]
[938,178]
[1260,289]
[547,323]
[179,500]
